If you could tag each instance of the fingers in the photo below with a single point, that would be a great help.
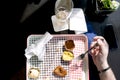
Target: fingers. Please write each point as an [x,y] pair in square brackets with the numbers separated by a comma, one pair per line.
[98,37]
[101,42]
[94,51]
[103,45]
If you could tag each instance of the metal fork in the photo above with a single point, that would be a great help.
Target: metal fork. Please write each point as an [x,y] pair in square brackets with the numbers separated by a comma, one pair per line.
[83,54]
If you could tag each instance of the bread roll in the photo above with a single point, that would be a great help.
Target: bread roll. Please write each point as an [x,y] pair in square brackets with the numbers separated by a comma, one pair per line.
[33,73]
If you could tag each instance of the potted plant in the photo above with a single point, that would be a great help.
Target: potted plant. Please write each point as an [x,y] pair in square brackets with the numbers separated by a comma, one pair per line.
[104,7]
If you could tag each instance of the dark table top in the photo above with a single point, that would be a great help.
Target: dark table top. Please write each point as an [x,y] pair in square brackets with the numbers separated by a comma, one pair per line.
[14,65]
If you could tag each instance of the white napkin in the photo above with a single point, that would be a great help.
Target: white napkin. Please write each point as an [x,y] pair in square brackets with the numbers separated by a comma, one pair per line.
[76,23]
[38,48]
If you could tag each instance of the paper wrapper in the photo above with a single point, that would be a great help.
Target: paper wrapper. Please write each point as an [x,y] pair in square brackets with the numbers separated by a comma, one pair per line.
[38,49]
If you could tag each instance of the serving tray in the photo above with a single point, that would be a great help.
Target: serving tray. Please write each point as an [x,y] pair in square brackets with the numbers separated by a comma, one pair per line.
[76,70]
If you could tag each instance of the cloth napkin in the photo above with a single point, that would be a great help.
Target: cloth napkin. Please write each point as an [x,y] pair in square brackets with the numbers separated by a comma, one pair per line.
[38,48]
[76,22]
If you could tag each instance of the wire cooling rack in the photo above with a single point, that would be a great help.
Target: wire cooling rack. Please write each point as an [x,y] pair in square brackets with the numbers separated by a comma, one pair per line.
[76,70]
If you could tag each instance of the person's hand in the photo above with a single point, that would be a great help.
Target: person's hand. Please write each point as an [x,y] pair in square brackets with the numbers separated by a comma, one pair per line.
[100,53]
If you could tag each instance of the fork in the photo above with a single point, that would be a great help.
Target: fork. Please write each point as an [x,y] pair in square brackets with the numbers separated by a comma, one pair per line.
[83,54]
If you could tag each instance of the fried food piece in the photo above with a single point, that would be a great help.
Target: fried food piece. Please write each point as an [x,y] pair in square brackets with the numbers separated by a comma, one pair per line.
[67,56]
[60,71]
[69,45]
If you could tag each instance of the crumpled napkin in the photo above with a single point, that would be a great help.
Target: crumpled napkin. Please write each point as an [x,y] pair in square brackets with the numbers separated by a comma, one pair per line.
[38,48]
